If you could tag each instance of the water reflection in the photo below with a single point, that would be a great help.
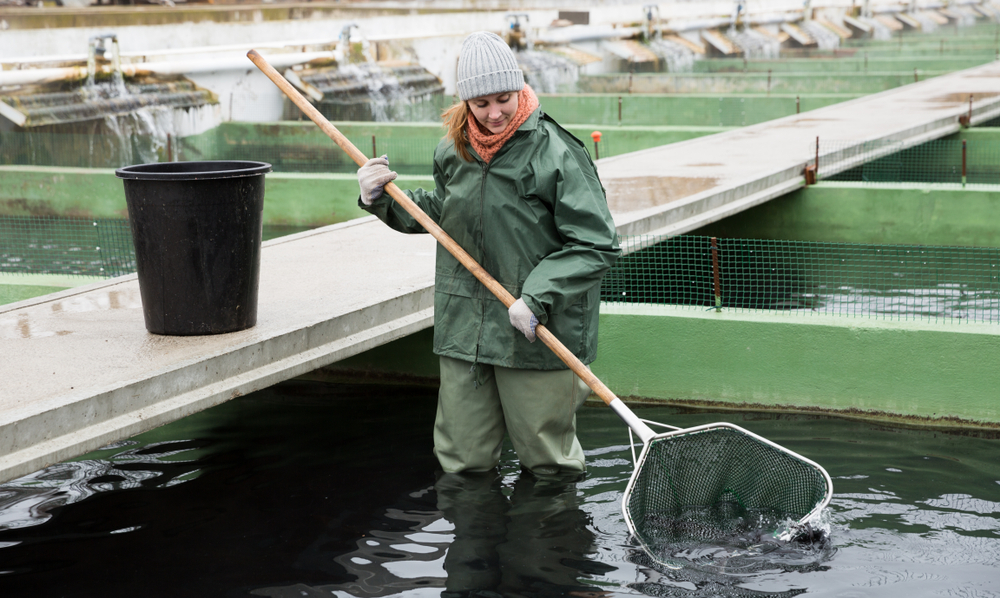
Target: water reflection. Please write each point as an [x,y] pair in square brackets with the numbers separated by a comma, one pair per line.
[535,541]
[473,535]
[31,499]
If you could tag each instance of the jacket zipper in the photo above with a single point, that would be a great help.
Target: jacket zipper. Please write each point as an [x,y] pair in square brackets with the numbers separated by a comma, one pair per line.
[482,245]
[482,255]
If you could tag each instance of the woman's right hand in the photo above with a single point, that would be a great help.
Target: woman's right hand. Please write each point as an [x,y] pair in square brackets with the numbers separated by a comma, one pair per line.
[372,177]
[523,319]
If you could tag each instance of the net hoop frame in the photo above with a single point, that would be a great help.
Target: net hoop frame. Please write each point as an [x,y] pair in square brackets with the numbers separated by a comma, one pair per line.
[647,443]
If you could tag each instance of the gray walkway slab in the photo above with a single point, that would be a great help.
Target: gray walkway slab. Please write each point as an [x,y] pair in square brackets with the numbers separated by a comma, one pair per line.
[79,370]
[679,187]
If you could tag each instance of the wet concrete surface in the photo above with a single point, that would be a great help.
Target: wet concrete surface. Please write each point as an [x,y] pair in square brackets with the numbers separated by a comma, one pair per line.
[80,370]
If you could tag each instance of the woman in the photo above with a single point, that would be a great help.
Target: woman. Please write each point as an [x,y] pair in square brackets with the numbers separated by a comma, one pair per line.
[522,197]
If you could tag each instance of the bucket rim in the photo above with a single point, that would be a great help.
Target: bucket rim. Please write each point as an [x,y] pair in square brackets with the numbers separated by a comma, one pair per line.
[193,170]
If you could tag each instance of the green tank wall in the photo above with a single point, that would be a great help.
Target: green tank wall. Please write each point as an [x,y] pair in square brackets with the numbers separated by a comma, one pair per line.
[410,146]
[785,83]
[17,287]
[921,372]
[290,198]
[979,39]
[900,214]
[977,135]
[856,64]
[309,199]
[690,109]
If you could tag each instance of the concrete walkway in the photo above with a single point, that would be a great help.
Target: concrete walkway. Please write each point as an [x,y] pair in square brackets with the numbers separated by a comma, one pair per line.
[79,369]
[673,189]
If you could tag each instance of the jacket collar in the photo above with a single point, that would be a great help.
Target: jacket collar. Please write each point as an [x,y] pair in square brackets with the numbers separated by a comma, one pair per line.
[530,124]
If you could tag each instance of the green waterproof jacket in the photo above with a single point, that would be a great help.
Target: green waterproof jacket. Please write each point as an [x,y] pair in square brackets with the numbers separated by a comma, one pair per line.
[536,218]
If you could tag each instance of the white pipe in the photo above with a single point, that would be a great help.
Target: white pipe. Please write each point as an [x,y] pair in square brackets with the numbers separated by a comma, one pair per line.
[29,76]
[696,24]
[177,67]
[579,33]
[244,48]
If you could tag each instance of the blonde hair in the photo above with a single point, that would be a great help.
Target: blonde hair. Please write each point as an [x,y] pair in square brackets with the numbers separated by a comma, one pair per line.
[455,117]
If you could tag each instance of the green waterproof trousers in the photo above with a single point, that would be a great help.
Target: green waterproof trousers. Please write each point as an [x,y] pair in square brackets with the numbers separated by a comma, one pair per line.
[537,408]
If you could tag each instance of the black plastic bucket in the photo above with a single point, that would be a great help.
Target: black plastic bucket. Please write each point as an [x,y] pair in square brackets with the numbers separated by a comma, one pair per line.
[196,227]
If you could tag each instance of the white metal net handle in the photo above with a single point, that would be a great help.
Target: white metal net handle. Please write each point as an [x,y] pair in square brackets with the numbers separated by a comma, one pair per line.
[631,437]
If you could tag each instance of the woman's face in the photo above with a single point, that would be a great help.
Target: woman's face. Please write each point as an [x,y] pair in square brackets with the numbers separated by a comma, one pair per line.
[494,111]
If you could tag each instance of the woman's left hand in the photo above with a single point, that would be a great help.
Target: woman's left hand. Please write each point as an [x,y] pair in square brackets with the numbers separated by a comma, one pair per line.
[522,319]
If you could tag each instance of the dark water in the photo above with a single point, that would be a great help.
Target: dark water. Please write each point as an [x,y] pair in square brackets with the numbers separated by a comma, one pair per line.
[310,489]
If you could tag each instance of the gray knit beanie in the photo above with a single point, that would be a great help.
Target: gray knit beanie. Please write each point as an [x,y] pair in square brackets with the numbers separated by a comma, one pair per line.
[486,65]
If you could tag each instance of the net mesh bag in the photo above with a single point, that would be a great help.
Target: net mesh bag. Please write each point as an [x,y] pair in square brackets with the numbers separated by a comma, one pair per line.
[718,481]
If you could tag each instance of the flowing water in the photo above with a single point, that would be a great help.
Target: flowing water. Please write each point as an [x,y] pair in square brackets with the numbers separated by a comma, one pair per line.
[373,92]
[927,24]
[547,72]
[756,45]
[879,30]
[825,39]
[109,124]
[678,58]
[314,489]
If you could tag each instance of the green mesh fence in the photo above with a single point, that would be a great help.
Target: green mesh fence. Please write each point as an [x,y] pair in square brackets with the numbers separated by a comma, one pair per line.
[875,281]
[939,161]
[73,246]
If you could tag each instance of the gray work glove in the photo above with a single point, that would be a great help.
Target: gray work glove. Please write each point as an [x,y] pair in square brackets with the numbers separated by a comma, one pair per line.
[372,177]
[522,319]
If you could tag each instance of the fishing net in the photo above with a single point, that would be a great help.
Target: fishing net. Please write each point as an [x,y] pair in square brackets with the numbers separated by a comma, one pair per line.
[720,481]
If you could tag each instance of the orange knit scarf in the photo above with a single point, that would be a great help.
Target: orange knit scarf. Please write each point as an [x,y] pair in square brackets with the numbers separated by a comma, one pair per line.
[488,144]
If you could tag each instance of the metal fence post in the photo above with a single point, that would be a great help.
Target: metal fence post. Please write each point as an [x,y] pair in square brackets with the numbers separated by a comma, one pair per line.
[963,163]
[715,274]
